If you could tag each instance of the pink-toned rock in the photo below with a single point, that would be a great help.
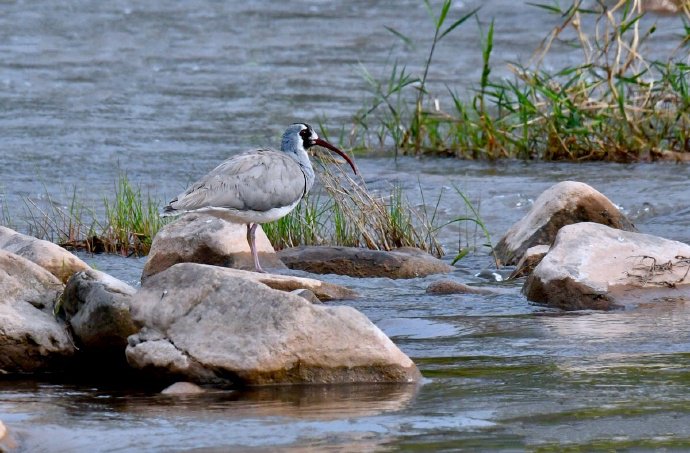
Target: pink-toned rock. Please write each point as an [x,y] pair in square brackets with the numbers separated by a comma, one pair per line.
[204,239]
[205,324]
[183,388]
[563,204]
[7,441]
[592,266]
[49,256]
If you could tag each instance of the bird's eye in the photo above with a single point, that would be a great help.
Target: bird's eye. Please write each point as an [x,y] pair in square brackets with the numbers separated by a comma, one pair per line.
[304,133]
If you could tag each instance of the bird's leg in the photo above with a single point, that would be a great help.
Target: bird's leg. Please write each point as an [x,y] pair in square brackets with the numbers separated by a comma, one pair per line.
[251,238]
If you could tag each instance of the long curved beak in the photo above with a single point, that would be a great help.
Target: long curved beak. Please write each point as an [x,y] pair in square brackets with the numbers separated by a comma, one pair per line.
[327,145]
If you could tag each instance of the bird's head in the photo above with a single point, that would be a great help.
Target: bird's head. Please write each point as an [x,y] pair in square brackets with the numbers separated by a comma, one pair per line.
[302,136]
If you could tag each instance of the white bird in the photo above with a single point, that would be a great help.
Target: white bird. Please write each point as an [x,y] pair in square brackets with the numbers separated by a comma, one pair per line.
[257,186]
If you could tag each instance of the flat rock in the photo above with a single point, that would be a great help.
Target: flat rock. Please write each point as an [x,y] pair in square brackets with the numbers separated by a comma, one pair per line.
[205,239]
[530,260]
[592,266]
[405,262]
[96,306]
[322,290]
[49,256]
[31,338]
[563,204]
[205,324]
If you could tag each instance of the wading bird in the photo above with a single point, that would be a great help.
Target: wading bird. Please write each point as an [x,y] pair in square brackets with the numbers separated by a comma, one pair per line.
[257,186]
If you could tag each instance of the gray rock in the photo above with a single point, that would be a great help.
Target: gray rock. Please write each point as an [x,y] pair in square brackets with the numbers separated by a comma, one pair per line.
[204,239]
[204,324]
[31,339]
[96,306]
[49,256]
[563,204]
[592,266]
[405,262]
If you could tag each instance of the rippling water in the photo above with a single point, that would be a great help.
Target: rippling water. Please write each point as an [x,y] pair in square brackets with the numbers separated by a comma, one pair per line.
[164,90]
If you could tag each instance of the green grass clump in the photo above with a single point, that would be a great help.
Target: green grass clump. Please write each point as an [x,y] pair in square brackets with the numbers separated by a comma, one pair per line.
[131,221]
[616,105]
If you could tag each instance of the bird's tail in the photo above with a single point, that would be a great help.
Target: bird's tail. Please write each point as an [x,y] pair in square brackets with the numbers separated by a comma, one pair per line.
[169,211]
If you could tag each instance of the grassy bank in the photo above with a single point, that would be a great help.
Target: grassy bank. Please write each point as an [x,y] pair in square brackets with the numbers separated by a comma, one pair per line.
[617,104]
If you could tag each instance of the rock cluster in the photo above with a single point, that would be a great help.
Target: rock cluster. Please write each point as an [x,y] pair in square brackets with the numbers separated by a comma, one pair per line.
[198,319]
[578,251]
[202,323]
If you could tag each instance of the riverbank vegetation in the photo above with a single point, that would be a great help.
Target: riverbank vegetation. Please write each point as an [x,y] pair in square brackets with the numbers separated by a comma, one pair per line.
[344,213]
[616,104]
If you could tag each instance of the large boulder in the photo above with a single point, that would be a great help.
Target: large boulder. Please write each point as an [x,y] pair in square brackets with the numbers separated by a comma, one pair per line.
[204,324]
[205,239]
[592,266]
[96,306]
[563,204]
[31,339]
[405,262]
[49,256]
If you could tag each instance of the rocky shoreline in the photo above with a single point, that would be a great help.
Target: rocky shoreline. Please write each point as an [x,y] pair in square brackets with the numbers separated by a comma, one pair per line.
[197,319]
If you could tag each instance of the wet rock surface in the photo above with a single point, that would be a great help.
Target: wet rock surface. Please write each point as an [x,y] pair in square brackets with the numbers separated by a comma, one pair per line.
[205,325]
[563,204]
[592,266]
[405,262]
[441,287]
[31,339]
[205,239]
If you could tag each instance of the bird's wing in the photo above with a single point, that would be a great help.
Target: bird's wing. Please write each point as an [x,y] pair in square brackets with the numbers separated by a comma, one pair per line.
[257,180]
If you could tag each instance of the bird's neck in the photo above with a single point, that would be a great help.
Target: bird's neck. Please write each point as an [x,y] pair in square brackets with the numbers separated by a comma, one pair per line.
[300,155]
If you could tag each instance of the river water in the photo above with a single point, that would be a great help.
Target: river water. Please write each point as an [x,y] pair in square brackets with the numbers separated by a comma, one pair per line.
[164,90]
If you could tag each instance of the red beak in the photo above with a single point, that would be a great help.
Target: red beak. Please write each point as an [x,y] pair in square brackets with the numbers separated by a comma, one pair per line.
[327,145]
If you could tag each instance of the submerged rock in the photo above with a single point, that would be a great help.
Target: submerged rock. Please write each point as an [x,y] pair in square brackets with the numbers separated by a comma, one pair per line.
[207,325]
[205,239]
[441,287]
[182,388]
[31,339]
[563,204]
[405,262]
[49,256]
[96,306]
[592,266]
